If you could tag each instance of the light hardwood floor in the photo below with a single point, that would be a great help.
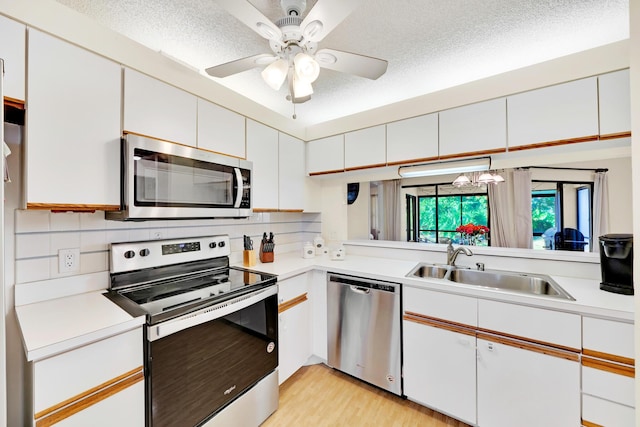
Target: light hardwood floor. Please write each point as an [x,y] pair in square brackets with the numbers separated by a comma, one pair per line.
[318,396]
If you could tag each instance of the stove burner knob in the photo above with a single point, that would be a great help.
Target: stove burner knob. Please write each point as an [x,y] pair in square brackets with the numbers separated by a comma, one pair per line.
[221,244]
[212,245]
[144,252]
[129,254]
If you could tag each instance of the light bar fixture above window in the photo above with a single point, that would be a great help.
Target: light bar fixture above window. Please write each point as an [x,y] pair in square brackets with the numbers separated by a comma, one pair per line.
[444,168]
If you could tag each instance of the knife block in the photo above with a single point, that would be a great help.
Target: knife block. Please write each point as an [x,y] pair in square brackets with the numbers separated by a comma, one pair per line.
[248,258]
[265,256]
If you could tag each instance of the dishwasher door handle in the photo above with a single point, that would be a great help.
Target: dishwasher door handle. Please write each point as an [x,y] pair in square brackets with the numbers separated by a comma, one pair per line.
[360,289]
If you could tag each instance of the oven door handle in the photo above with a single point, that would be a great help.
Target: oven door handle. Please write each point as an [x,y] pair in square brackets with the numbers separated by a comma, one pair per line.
[207,314]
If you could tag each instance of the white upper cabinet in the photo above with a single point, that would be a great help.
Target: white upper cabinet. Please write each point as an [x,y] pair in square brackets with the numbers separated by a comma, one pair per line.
[12,50]
[567,111]
[73,126]
[413,139]
[474,128]
[262,150]
[325,155]
[156,109]
[292,174]
[220,130]
[365,147]
[615,103]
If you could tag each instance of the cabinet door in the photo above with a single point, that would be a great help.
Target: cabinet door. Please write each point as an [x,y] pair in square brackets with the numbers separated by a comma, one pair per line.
[476,128]
[614,103]
[294,325]
[12,50]
[262,150]
[567,111]
[413,139]
[73,126]
[156,109]
[292,175]
[220,130]
[318,292]
[440,369]
[365,147]
[326,155]
[84,375]
[521,387]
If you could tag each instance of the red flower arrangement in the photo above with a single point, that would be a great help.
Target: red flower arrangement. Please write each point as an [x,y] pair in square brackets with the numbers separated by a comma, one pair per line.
[472,232]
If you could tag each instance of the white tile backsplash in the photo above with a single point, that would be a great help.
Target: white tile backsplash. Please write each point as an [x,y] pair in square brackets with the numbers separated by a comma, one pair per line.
[40,234]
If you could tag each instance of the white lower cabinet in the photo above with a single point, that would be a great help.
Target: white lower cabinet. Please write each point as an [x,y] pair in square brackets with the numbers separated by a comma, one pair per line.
[526,387]
[440,369]
[294,325]
[100,384]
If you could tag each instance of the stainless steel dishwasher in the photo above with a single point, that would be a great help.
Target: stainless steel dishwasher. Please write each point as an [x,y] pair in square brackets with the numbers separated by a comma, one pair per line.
[363,329]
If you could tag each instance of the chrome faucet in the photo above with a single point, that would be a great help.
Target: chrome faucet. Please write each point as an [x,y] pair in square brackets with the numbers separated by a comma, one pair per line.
[452,254]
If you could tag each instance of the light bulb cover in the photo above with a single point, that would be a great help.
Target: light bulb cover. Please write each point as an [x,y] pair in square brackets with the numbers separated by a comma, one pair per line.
[461,180]
[301,88]
[306,67]
[485,178]
[275,73]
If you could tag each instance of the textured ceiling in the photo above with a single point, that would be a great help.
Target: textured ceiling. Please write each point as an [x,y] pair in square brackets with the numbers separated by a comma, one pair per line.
[430,45]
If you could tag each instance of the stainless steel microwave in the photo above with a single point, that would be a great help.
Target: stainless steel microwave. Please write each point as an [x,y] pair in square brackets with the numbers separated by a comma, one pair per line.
[163,180]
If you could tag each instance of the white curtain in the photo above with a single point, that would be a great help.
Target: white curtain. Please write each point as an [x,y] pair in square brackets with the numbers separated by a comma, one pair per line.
[510,205]
[600,208]
[391,221]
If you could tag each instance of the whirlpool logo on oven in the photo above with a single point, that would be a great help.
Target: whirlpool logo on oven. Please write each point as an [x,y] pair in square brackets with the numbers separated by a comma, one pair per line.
[229,390]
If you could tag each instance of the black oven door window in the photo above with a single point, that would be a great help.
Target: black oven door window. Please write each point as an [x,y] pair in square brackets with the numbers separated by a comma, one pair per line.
[194,373]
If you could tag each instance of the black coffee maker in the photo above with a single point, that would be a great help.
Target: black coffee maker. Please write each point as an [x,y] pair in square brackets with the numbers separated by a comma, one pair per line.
[616,263]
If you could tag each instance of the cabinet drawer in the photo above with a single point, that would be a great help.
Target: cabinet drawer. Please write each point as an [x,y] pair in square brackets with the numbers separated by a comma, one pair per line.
[606,413]
[544,326]
[70,374]
[608,337]
[608,385]
[439,305]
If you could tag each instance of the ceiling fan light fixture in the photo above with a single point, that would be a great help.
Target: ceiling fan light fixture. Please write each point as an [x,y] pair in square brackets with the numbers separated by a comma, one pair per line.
[306,67]
[275,73]
[301,88]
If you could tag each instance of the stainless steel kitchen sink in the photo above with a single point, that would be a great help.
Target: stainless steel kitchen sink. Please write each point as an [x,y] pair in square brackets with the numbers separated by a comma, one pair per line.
[534,284]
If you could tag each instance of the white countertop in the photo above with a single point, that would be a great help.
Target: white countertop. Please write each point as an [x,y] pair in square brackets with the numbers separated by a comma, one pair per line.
[590,300]
[58,325]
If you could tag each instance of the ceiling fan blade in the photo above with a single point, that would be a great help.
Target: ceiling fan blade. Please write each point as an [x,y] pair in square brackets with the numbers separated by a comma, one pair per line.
[329,13]
[240,65]
[352,63]
[252,17]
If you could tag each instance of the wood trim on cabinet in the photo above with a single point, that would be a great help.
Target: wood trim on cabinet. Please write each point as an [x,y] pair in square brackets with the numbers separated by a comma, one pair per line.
[588,138]
[71,207]
[13,102]
[292,303]
[436,323]
[357,168]
[610,357]
[126,132]
[491,332]
[627,371]
[615,136]
[473,153]
[264,210]
[326,172]
[75,404]
[530,346]
[586,423]
[291,210]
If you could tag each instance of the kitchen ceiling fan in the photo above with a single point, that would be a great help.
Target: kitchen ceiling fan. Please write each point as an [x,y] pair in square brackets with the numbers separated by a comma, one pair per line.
[295,57]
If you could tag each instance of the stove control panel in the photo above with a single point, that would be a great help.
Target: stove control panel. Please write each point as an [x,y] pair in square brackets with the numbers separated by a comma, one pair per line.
[154,253]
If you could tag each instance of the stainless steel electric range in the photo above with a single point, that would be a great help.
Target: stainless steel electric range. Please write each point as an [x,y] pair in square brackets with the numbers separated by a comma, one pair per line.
[211,334]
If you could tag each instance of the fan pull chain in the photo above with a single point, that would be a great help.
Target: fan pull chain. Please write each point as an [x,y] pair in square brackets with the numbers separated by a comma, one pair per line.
[294,111]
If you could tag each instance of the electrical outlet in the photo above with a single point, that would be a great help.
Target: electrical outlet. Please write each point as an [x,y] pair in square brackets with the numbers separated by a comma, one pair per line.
[69,260]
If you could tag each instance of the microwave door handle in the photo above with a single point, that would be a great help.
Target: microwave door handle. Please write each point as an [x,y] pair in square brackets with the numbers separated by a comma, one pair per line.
[239,187]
